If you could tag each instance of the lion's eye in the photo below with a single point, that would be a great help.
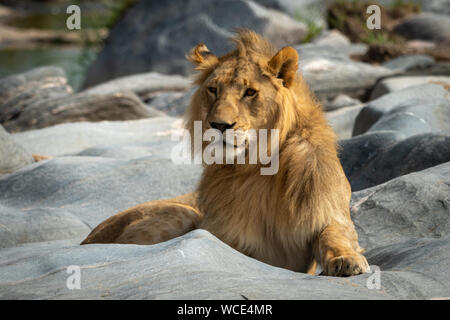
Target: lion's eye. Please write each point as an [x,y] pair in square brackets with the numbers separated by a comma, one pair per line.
[250,92]
[212,90]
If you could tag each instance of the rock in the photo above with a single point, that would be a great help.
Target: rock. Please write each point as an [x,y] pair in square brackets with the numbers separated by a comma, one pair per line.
[74,138]
[389,85]
[409,62]
[329,77]
[374,158]
[19,91]
[155,36]
[342,120]
[413,206]
[41,97]
[38,224]
[414,110]
[91,188]
[332,38]
[341,101]
[80,107]
[308,11]
[171,103]
[332,50]
[436,6]
[12,155]
[194,266]
[425,26]
[143,85]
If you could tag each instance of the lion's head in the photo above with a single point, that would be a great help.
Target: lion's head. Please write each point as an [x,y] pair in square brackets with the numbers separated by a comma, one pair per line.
[252,87]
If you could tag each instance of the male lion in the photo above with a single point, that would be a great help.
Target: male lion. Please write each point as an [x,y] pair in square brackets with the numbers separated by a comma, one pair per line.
[293,219]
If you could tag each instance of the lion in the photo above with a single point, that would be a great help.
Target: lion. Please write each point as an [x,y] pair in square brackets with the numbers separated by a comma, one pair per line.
[297,218]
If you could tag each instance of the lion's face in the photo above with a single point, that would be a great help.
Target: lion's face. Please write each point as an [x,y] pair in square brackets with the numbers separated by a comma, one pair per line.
[244,91]
[239,98]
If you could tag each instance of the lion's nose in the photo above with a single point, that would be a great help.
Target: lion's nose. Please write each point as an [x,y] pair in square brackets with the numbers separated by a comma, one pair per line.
[222,126]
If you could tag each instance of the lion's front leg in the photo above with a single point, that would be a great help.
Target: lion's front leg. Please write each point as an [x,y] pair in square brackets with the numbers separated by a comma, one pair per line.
[149,223]
[339,253]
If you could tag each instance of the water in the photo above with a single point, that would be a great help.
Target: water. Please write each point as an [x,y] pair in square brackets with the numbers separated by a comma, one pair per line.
[74,61]
[52,16]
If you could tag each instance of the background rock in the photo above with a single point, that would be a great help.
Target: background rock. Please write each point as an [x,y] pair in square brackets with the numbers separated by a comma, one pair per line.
[40,84]
[142,85]
[342,120]
[409,62]
[12,155]
[156,35]
[329,77]
[389,85]
[413,110]
[81,107]
[425,26]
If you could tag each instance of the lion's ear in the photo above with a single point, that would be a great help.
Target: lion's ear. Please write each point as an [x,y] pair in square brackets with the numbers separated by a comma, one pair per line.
[201,57]
[285,64]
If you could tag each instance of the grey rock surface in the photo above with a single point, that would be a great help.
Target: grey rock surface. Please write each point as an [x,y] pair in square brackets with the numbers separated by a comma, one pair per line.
[407,244]
[409,62]
[329,77]
[142,85]
[94,188]
[73,138]
[414,110]
[156,35]
[374,158]
[12,155]
[343,119]
[389,85]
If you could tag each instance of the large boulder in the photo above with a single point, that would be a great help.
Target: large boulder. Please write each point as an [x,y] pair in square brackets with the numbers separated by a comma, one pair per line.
[41,97]
[156,35]
[19,91]
[12,155]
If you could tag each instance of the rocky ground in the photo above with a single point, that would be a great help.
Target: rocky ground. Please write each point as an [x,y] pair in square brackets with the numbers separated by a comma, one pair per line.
[109,148]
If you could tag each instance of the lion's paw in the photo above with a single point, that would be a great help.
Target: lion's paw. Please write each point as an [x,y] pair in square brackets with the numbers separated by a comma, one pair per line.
[347,265]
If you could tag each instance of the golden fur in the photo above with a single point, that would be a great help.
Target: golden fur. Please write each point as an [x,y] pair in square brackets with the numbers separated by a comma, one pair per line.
[293,219]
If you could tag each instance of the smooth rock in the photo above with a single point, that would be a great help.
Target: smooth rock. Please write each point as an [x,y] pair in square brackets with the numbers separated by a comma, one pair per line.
[409,62]
[12,155]
[374,158]
[414,110]
[93,188]
[142,85]
[73,138]
[413,206]
[342,120]
[389,85]
[330,77]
